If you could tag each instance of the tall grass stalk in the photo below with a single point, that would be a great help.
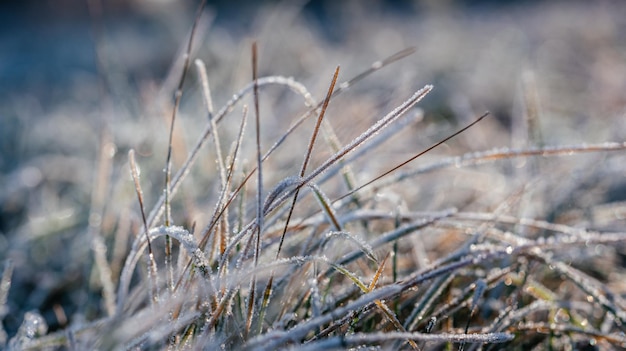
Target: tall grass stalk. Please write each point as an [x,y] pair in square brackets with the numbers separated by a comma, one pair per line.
[347,245]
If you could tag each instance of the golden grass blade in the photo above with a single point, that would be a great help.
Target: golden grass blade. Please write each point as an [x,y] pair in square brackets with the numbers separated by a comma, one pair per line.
[152,268]
[404,163]
[268,289]
[259,197]
[96,216]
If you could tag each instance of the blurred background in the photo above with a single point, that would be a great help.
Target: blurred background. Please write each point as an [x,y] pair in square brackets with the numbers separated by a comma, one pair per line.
[79,79]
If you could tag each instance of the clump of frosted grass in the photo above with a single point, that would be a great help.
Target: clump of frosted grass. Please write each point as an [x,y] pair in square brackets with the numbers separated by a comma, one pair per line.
[317,259]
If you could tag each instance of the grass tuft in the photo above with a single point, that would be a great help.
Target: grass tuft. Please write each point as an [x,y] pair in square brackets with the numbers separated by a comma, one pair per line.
[342,244]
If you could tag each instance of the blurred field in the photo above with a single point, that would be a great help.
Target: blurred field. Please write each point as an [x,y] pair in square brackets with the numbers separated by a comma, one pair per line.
[76,88]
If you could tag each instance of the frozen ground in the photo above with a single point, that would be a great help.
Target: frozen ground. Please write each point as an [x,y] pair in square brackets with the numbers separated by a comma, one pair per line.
[75,86]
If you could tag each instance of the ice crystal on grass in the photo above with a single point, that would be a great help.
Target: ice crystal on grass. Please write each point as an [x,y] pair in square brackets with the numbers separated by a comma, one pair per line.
[335,220]
[33,326]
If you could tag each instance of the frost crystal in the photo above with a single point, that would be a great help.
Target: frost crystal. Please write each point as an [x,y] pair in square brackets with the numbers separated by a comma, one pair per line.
[34,325]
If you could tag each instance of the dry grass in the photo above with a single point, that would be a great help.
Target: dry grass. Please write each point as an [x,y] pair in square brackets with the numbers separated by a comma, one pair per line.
[314,206]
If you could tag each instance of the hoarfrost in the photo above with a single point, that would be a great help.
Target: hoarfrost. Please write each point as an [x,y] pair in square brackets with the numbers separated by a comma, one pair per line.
[34,325]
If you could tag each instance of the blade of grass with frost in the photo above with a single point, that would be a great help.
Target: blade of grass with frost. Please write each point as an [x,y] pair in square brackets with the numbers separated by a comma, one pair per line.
[365,136]
[362,245]
[479,288]
[397,218]
[515,317]
[473,291]
[540,291]
[402,164]
[524,245]
[268,288]
[388,312]
[477,158]
[152,267]
[328,130]
[290,281]
[234,280]
[478,233]
[360,340]
[332,218]
[268,80]
[316,300]
[600,292]
[206,93]
[498,323]
[370,215]
[293,300]
[298,88]
[220,234]
[347,174]
[304,167]
[274,339]
[307,156]
[423,306]
[391,236]
[578,278]
[326,205]
[526,222]
[177,98]
[156,335]
[547,245]
[63,338]
[96,214]
[375,67]
[530,95]
[388,292]
[140,326]
[187,241]
[230,285]
[120,246]
[235,242]
[340,89]
[374,129]
[5,286]
[381,137]
[259,197]
[231,170]
[168,163]
[618,340]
